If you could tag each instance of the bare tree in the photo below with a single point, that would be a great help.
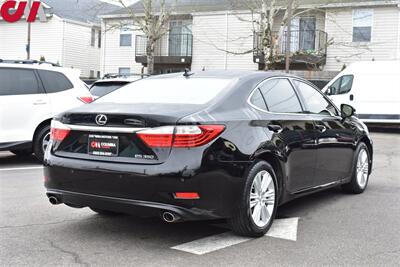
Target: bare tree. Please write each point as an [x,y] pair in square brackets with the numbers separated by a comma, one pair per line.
[264,17]
[153,22]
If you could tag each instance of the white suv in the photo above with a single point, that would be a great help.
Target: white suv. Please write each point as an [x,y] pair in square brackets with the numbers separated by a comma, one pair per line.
[31,93]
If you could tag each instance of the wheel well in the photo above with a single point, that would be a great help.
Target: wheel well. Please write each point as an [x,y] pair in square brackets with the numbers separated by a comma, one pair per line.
[276,165]
[40,126]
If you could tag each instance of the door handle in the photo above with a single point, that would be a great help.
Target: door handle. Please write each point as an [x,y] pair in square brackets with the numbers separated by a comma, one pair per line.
[320,128]
[351,97]
[39,102]
[275,128]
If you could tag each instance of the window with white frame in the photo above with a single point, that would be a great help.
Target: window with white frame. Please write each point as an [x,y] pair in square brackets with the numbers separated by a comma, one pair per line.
[124,71]
[362,25]
[125,37]
[93,37]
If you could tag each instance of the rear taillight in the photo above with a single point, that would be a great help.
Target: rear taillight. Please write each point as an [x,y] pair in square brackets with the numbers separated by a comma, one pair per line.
[58,131]
[180,136]
[86,99]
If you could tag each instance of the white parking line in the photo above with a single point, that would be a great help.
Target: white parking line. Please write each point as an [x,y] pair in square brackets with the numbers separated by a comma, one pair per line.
[22,168]
[282,228]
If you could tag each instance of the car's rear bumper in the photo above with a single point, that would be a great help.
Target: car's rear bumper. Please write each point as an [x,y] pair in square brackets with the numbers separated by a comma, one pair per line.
[139,189]
[129,206]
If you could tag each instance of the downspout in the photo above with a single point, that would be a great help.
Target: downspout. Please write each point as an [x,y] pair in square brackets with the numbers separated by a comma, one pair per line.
[398,35]
[103,47]
[226,40]
[63,46]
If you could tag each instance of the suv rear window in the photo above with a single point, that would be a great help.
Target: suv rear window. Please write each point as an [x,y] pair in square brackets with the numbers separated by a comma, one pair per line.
[54,81]
[169,91]
[15,81]
[103,88]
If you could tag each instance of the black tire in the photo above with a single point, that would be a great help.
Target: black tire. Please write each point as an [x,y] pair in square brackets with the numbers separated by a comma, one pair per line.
[38,141]
[22,153]
[242,222]
[104,212]
[354,187]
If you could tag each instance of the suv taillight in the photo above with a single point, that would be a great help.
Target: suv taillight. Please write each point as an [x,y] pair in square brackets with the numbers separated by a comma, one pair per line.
[180,136]
[58,131]
[86,99]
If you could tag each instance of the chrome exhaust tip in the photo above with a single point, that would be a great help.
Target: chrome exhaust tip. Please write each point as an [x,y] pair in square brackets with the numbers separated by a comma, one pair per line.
[170,217]
[54,201]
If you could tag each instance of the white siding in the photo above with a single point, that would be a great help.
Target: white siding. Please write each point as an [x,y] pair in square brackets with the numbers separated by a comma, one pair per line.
[383,46]
[214,34]
[113,55]
[46,40]
[78,52]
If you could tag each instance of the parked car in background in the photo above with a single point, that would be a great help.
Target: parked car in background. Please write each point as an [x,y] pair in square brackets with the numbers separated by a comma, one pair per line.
[31,93]
[112,82]
[206,145]
[372,88]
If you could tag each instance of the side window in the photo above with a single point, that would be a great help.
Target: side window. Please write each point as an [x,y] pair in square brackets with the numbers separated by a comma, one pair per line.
[18,82]
[346,84]
[280,96]
[54,81]
[342,85]
[258,100]
[314,100]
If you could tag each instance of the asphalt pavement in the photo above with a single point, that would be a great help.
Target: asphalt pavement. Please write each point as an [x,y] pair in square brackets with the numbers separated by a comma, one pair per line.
[327,228]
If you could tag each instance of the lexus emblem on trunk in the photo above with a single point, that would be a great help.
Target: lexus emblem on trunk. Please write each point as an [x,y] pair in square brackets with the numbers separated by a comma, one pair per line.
[101,119]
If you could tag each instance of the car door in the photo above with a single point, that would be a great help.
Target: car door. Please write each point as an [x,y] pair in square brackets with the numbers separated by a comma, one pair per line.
[340,91]
[23,104]
[292,131]
[335,137]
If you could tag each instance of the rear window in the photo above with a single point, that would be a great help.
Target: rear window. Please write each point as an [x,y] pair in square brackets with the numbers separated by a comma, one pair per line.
[18,82]
[169,91]
[54,81]
[103,88]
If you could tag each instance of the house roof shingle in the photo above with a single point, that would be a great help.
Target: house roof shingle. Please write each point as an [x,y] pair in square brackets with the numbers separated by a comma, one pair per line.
[80,10]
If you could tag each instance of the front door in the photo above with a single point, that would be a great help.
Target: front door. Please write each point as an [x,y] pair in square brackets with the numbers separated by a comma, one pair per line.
[334,138]
[307,34]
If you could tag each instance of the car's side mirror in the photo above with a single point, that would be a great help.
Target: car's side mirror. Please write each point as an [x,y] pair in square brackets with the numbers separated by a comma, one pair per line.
[328,91]
[347,111]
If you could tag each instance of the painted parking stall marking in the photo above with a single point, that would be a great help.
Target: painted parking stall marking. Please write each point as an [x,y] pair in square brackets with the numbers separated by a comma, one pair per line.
[281,228]
[22,168]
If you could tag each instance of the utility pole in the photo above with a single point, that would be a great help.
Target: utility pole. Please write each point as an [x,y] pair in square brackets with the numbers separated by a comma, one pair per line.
[288,32]
[28,45]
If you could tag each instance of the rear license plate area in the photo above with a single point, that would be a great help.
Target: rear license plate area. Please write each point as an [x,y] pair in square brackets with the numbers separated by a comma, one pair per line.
[103,145]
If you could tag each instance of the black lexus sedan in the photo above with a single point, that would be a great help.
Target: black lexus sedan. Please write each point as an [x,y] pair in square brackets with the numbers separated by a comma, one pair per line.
[206,145]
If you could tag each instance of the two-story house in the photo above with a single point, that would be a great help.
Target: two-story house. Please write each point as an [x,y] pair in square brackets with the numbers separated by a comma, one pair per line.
[70,36]
[325,36]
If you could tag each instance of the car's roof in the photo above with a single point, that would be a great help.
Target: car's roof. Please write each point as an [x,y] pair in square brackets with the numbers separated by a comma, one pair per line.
[119,79]
[43,66]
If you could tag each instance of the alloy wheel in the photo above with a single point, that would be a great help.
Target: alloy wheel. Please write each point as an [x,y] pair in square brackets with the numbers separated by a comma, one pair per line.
[262,198]
[45,142]
[362,168]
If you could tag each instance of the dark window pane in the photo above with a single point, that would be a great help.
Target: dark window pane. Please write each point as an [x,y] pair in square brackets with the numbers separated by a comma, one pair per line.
[18,82]
[103,88]
[280,96]
[361,34]
[54,81]
[314,100]
[258,100]
[125,40]
[346,84]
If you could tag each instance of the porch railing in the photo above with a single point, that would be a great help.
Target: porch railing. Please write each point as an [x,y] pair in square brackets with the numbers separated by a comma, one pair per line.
[170,45]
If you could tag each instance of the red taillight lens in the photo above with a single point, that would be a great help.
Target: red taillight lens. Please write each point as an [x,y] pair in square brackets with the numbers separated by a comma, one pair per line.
[180,136]
[86,99]
[58,131]
[186,137]
[186,195]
